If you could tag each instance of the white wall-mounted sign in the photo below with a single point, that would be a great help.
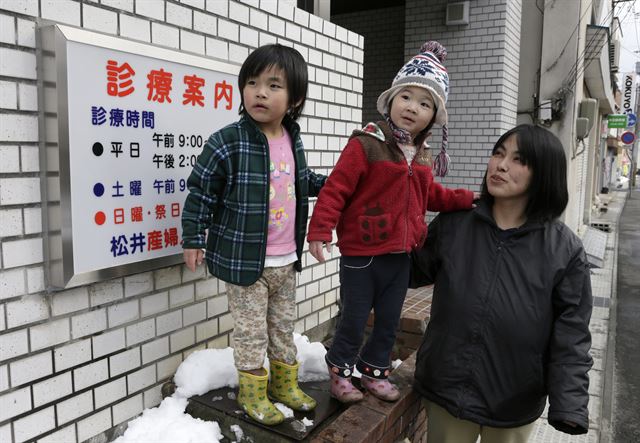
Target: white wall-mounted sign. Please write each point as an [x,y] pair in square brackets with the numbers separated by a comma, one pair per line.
[131,121]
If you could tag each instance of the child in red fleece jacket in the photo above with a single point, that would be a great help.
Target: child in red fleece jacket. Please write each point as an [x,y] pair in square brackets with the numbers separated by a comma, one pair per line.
[376,198]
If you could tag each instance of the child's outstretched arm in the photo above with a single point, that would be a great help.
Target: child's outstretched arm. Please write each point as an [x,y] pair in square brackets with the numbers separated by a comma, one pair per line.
[205,184]
[443,199]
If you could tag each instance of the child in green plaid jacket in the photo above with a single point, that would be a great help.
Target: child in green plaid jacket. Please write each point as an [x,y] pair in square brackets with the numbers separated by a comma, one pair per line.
[250,189]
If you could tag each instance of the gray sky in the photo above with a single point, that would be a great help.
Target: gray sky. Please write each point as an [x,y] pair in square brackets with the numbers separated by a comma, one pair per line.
[629,13]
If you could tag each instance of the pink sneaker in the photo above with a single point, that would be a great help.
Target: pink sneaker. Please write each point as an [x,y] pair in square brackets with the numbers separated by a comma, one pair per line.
[381,388]
[342,389]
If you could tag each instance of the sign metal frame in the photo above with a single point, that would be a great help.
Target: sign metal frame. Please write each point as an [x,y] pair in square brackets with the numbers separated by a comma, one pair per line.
[52,46]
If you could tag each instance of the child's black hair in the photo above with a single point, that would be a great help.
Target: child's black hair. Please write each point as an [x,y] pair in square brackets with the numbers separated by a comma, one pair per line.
[282,57]
[544,154]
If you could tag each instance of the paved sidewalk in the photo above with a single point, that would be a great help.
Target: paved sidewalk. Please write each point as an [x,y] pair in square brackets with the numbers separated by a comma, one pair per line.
[603,281]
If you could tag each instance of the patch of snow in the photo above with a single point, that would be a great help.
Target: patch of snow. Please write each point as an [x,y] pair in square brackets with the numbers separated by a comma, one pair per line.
[238,432]
[311,358]
[169,424]
[205,370]
[298,426]
[286,411]
[200,373]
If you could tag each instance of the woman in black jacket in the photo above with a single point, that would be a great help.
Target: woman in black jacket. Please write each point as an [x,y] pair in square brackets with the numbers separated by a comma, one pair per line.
[511,303]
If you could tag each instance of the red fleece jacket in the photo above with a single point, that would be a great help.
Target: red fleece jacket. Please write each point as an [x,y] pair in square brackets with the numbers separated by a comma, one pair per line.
[376,201]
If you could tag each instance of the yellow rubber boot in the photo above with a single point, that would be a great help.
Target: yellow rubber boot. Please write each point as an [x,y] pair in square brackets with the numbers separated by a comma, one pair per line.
[252,397]
[284,388]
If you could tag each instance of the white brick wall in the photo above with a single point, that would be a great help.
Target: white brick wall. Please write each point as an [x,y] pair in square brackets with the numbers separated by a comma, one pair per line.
[90,375]
[30,368]
[477,112]
[52,389]
[35,424]
[89,358]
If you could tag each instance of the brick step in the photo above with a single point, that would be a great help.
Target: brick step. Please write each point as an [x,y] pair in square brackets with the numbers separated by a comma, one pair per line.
[370,421]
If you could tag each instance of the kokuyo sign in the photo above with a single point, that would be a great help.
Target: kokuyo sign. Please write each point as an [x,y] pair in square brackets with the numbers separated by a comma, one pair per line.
[628,93]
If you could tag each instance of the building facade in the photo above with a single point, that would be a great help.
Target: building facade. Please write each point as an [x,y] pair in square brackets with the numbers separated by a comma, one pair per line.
[76,363]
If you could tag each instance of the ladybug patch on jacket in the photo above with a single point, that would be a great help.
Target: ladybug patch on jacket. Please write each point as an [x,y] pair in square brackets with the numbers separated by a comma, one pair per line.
[374,225]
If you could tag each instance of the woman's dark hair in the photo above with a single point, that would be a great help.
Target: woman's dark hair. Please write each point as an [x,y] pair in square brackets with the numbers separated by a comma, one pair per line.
[281,57]
[543,153]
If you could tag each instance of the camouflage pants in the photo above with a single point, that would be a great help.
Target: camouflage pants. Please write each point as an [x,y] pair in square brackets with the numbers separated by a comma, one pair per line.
[264,315]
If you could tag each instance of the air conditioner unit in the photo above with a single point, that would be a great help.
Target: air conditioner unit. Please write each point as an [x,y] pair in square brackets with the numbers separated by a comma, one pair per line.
[588,110]
[457,13]
[582,128]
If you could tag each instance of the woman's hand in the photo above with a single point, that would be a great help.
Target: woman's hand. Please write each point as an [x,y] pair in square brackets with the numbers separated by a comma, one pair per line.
[193,258]
[315,248]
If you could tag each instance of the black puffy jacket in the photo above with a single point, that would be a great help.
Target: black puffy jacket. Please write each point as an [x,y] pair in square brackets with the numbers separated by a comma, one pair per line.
[509,321]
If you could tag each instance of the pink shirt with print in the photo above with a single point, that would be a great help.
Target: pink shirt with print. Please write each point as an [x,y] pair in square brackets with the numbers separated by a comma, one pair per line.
[282,197]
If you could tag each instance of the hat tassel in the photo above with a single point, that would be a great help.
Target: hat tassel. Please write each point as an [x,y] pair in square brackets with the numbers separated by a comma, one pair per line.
[441,163]
[442,160]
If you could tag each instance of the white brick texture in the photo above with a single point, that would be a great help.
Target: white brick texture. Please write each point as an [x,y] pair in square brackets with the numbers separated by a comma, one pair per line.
[99,19]
[110,392]
[27,7]
[127,409]
[31,368]
[49,334]
[15,191]
[65,434]
[151,8]
[13,344]
[108,342]
[34,424]
[94,425]
[135,28]
[91,374]
[124,361]
[71,355]
[15,403]
[65,11]
[74,407]
[52,389]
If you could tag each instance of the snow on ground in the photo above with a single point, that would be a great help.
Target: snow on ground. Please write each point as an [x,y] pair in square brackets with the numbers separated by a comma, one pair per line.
[169,424]
[286,410]
[205,370]
[238,432]
[311,358]
[201,372]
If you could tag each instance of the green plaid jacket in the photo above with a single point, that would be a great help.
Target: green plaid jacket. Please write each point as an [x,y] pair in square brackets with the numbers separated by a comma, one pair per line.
[229,196]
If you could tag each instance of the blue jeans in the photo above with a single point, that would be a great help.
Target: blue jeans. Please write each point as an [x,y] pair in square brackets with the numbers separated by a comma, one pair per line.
[374,282]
